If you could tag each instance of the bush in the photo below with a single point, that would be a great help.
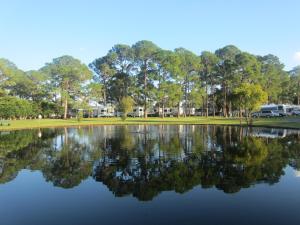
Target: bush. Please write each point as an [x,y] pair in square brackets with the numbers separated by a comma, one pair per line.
[16,108]
[126,105]
[49,108]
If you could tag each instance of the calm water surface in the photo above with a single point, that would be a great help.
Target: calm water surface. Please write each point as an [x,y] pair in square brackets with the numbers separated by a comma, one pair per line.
[184,174]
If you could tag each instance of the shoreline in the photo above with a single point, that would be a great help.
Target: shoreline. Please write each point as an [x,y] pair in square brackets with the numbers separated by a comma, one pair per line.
[284,123]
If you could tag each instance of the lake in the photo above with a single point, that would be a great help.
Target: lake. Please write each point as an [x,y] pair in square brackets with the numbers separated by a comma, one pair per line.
[166,174]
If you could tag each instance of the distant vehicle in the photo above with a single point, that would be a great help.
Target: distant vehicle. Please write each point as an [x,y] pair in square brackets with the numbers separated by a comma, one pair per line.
[137,112]
[255,114]
[106,111]
[167,112]
[283,110]
[296,112]
[269,113]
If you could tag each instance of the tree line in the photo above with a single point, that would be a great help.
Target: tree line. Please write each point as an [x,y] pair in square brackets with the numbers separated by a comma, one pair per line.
[221,82]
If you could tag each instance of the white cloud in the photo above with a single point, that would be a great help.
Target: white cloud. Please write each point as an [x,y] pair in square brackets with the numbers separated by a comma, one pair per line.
[82,49]
[297,57]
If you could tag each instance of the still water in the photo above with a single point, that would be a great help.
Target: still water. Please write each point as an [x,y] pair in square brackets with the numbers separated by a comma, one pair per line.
[186,174]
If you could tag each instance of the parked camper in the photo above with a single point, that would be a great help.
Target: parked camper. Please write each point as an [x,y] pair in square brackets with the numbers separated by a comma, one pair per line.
[282,110]
[106,111]
[199,112]
[175,111]
[269,113]
[190,111]
[152,111]
[166,112]
[296,112]
[255,114]
[137,111]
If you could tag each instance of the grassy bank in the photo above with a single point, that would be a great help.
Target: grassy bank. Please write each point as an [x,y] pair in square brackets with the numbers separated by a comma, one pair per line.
[289,122]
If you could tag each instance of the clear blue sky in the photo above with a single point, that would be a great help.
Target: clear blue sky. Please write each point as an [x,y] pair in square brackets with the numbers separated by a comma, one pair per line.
[35,31]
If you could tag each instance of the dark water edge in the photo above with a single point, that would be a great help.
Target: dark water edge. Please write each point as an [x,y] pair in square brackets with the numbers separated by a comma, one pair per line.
[168,174]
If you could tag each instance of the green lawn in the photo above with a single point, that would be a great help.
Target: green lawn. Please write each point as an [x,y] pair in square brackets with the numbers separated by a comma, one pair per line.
[290,122]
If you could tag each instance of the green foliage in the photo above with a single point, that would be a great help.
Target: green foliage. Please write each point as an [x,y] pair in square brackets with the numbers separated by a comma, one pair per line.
[196,97]
[150,75]
[67,74]
[49,109]
[295,84]
[273,77]
[250,97]
[145,55]
[95,91]
[113,72]
[126,106]
[9,73]
[15,108]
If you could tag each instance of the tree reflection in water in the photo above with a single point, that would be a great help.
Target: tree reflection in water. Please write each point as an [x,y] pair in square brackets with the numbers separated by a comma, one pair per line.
[145,160]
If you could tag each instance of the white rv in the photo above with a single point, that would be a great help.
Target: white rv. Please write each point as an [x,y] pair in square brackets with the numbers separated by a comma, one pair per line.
[175,111]
[281,109]
[106,111]
[137,111]
[163,111]
[190,111]
[182,111]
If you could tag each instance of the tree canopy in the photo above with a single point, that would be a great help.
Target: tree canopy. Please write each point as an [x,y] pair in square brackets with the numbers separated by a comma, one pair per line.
[211,82]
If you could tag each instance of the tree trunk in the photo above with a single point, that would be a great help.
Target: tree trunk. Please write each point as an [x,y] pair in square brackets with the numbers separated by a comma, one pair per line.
[230,109]
[298,94]
[66,108]
[206,100]
[163,110]
[104,92]
[225,102]
[178,110]
[213,104]
[240,116]
[250,119]
[213,96]
[203,107]
[185,96]
[104,96]
[145,93]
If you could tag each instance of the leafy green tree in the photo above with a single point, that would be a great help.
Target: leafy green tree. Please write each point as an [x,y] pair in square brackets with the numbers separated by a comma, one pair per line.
[187,69]
[8,74]
[49,109]
[182,65]
[145,53]
[251,97]
[248,69]
[126,106]
[175,94]
[163,78]
[95,91]
[67,74]
[208,75]
[15,108]
[273,76]
[31,85]
[104,72]
[227,69]
[295,83]
[197,95]
[115,72]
